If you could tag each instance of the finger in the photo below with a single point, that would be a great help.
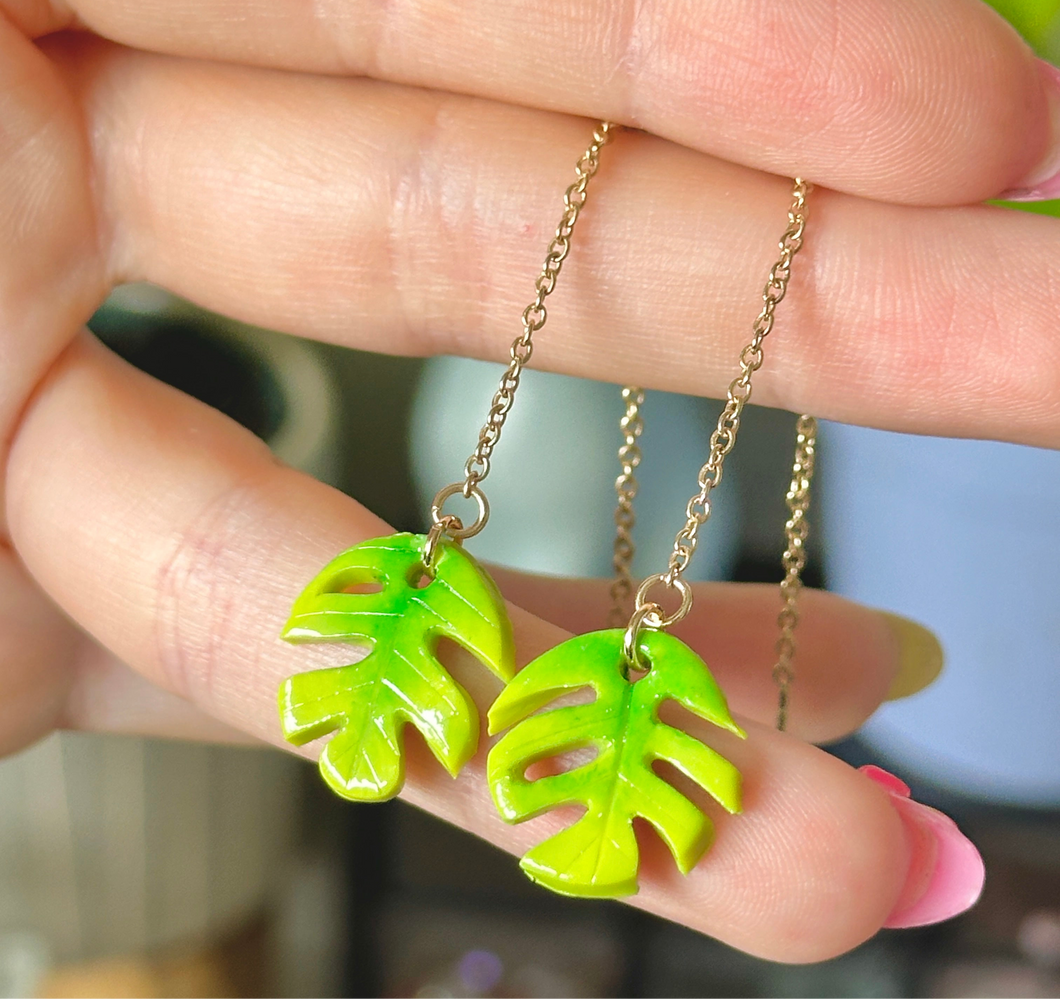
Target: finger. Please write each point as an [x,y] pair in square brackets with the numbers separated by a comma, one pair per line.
[37,648]
[51,268]
[170,534]
[849,658]
[895,99]
[53,676]
[105,695]
[392,219]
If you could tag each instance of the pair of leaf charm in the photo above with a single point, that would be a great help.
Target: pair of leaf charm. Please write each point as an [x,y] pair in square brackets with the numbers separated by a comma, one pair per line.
[401,682]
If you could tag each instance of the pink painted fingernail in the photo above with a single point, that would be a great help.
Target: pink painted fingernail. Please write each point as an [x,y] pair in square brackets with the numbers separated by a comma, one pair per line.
[1043,183]
[945,873]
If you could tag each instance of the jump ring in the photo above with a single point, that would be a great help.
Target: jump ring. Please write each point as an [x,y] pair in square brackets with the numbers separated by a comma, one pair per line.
[643,617]
[461,532]
[447,525]
[664,620]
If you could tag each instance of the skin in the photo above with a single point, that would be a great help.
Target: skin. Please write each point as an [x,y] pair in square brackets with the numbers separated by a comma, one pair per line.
[386,176]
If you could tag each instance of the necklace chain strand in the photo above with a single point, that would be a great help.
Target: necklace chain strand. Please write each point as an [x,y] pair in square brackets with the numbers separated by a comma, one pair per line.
[626,486]
[796,530]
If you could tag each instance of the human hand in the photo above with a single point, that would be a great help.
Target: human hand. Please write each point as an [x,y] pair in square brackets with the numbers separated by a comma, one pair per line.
[311,169]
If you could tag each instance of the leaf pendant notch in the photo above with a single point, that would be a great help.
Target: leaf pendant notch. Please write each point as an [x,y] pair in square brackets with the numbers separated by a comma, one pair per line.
[597,856]
[400,680]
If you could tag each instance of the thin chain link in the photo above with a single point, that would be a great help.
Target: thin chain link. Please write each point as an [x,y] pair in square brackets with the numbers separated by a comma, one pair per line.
[723,439]
[647,613]
[632,426]
[796,530]
[534,317]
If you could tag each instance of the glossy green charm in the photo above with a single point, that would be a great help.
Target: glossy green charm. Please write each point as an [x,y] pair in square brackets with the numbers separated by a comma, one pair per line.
[368,703]
[598,855]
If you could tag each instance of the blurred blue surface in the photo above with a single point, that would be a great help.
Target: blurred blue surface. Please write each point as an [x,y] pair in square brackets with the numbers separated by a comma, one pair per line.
[965,537]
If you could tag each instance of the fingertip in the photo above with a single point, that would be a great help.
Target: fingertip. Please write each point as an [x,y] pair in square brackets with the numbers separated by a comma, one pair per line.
[861,856]
[1042,182]
[920,657]
[945,874]
[811,868]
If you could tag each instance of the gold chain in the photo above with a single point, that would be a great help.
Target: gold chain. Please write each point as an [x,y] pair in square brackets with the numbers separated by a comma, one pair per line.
[632,426]
[534,316]
[796,530]
[647,613]
[723,439]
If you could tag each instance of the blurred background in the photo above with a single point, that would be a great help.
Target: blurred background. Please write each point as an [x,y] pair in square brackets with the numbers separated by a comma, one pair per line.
[133,867]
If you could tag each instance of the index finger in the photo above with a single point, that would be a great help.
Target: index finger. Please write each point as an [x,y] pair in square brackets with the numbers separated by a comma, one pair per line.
[189,576]
[921,102]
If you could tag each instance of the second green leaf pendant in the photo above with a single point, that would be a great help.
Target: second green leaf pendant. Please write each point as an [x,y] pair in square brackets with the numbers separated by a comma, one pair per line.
[598,856]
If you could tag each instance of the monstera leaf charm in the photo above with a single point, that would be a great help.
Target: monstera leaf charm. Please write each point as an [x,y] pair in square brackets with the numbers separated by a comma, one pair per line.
[401,680]
[597,856]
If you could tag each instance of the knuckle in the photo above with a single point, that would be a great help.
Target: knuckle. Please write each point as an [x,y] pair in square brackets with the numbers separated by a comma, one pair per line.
[200,596]
[437,268]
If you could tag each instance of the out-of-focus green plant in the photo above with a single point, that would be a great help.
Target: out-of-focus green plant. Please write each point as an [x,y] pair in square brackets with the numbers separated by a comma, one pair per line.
[1039,22]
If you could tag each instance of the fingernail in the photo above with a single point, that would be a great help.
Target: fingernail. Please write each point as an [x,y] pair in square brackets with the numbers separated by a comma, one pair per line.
[1043,183]
[920,656]
[945,872]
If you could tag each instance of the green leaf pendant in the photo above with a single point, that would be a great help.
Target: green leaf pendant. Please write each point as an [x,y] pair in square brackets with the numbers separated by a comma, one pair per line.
[368,703]
[597,856]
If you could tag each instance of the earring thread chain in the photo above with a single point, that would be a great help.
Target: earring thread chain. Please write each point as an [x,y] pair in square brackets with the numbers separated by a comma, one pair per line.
[626,487]
[647,613]
[796,531]
[723,438]
[534,316]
